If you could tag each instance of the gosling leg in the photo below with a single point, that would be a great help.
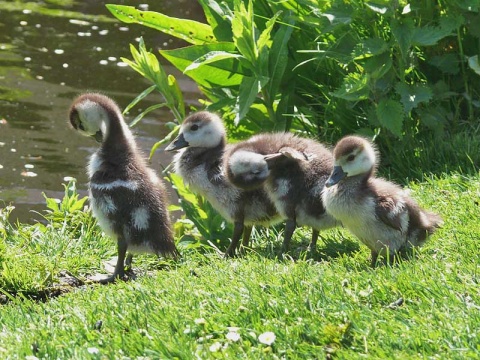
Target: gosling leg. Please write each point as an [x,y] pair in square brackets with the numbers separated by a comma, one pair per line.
[119,271]
[312,247]
[247,231]
[290,226]
[237,233]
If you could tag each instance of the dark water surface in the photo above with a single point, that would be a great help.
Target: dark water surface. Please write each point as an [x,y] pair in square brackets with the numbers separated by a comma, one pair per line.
[49,53]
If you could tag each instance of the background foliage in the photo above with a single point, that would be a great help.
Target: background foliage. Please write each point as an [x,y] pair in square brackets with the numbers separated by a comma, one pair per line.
[331,67]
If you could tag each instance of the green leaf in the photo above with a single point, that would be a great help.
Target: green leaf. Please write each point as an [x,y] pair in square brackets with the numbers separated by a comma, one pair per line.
[412,95]
[379,65]
[191,31]
[265,40]
[219,17]
[448,63]
[354,88]
[209,58]
[278,58]
[177,97]
[369,47]
[140,97]
[52,204]
[431,35]
[147,65]
[145,112]
[243,28]
[249,89]
[390,115]
[169,138]
[403,33]
[223,73]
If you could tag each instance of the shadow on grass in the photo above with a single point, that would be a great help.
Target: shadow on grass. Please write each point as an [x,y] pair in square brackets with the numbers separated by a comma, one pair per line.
[327,248]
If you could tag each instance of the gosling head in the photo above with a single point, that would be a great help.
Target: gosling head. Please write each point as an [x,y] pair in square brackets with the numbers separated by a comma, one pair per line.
[353,155]
[202,129]
[90,114]
[247,169]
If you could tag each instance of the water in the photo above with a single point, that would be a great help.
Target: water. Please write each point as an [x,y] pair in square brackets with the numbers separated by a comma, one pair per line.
[49,53]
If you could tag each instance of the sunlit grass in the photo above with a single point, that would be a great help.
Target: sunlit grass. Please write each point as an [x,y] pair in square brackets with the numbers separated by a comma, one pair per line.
[207,307]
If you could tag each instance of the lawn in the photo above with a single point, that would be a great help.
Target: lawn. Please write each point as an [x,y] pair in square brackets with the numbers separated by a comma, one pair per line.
[255,306]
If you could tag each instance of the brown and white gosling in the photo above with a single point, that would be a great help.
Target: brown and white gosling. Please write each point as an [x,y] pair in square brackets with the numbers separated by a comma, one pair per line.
[127,198]
[293,171]
[380,213]
[202,144]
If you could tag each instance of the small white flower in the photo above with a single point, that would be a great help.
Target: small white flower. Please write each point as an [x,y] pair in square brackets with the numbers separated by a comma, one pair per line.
[93,350]
[216,346]
[233,336]
[267,338]
[31,357]
[200,321]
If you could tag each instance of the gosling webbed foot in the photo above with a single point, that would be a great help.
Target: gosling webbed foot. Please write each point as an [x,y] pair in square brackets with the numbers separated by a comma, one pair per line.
[113,278]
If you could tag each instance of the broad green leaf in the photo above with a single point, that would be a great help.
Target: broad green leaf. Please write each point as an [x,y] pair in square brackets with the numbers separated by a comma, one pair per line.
[243,28]
[369,47]
[249,89]
[377,66]
[223,73]
[447,63]
[209,58]
[219,17]
[473,64]
[403,33]
[51,203]
[412,95]
[430,35]
[191,31]
[390,115]
[278,58]
[354,88]
[140,97]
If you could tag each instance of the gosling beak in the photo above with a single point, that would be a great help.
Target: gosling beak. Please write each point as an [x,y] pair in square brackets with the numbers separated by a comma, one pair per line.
[337,175]
[178,143]
[98,136]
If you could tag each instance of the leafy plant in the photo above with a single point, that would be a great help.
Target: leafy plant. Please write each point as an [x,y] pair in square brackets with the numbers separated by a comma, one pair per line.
[200,225]
[331,67]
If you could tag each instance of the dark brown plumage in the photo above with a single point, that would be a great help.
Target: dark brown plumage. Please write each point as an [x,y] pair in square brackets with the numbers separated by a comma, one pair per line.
[292,170]
[127,198]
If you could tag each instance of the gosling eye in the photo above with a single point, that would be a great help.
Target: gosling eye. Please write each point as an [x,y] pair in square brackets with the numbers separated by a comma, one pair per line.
[194,127]
[350,158]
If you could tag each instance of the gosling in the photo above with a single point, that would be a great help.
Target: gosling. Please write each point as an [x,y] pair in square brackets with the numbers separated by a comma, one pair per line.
[380,213]
[127,198]
[293,171]
[199,161]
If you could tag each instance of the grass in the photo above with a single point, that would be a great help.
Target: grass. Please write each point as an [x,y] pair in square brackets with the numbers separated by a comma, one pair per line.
[205,307]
